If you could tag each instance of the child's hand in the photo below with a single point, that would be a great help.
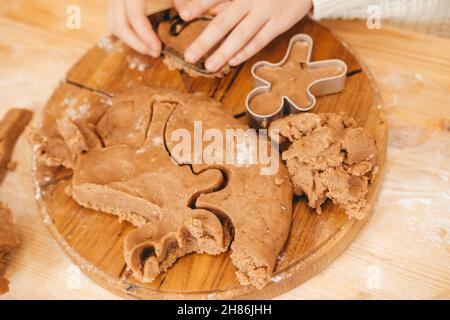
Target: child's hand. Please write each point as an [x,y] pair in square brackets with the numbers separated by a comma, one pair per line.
[189,9]
[128,21]
[248,25]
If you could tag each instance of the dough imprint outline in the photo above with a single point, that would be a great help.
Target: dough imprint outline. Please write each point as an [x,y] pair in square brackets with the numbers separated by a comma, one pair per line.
[202,224]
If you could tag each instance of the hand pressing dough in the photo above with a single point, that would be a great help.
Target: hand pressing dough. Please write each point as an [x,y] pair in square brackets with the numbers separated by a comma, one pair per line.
[184,37]
[289,80]
[177,208]
[329,158]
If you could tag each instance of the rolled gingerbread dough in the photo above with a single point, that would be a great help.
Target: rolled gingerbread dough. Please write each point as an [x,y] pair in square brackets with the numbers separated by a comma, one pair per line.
[124,164]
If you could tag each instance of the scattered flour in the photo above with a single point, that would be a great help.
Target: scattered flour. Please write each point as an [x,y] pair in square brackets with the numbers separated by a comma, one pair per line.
[136,63]
[141,150]
[399,79]
[76,112]
[69,101]
[419,77]
[84,108]
[278,277]
[107,102]
[157,141]
[412,203]
[108,45]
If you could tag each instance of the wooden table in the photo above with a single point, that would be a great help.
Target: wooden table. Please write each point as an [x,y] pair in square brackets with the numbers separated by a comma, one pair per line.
[404,250]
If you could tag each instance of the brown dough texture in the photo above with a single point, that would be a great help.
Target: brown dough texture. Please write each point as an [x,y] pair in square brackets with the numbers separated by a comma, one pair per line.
[11,127]
[4,286]
[289,80]
[328,157]
[181,42]
[8,240]
[8,235]
[123,164]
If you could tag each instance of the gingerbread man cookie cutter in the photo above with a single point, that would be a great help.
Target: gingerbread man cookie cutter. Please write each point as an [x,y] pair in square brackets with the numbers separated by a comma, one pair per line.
[320,87]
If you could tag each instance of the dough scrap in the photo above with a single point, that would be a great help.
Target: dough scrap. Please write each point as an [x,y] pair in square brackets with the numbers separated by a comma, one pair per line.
[289,80]
[328,157]
[8,240]
[60,142]
[4,286]
[8,234]
[11,127]
[181,42]
[178,207]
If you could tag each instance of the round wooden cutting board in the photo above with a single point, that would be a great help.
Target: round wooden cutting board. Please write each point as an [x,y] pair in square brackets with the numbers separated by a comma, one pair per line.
[94,240]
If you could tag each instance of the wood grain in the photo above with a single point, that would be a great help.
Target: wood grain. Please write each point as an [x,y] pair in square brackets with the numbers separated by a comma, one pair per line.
[405,246]
[95,240]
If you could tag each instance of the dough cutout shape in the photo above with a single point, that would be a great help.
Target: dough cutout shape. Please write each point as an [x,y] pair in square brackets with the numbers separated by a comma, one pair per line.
[177,35]
[123,164]
[292,85]
[329,157]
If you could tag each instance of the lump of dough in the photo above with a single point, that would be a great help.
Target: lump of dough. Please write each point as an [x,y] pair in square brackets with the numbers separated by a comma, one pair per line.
[328,157]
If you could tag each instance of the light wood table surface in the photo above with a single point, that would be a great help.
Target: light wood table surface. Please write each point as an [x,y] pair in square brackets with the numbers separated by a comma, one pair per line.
[402,253]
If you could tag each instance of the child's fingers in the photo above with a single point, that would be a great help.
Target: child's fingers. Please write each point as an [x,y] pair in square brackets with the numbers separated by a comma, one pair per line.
[111,16]
[292,13]
[219,8]
[262,39]
[123,30]
[142,26]
[195,8]
[237,39]
[182,8]
[217,29]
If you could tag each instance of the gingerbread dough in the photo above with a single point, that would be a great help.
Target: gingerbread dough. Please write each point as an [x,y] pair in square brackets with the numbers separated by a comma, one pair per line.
[289,80]
[258,206]
[186,34]
[8,234]
[8,240]
[11,127]
[58,143]
[178,208]
[329,158]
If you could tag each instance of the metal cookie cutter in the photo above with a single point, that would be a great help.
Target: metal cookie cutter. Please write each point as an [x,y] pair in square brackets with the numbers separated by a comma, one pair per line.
[176,28]
[320,87]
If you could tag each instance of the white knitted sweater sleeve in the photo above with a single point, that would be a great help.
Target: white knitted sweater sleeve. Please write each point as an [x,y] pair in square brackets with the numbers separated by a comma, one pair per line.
[423,15]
